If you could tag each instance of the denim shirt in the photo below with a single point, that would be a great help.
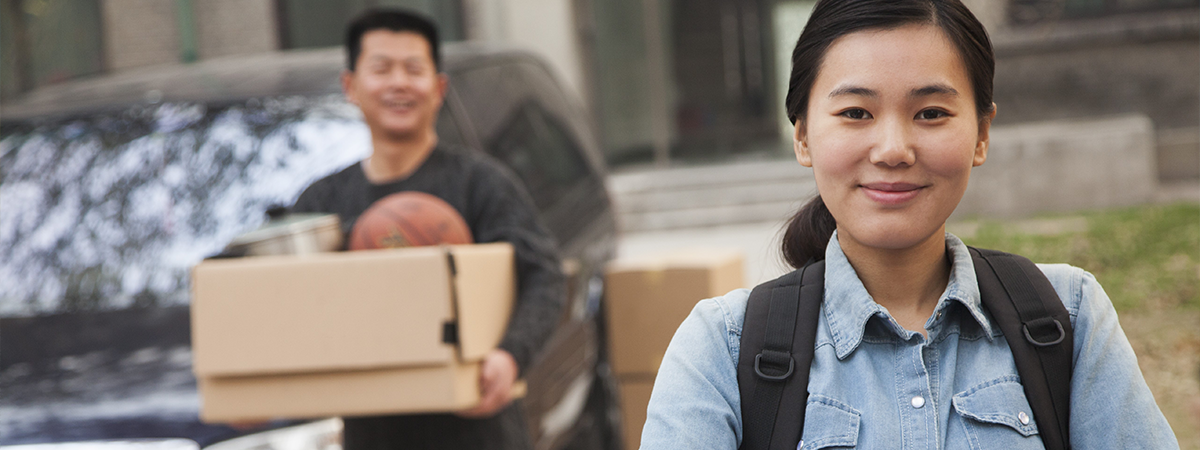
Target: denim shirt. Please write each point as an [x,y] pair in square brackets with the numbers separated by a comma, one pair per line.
[873,384]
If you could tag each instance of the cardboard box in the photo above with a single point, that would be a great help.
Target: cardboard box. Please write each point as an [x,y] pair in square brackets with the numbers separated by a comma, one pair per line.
[351,333]
[635,397]
[646,298]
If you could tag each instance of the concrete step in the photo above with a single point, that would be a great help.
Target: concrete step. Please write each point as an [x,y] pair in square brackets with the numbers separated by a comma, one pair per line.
[704,196]
[655,179]
[710,216]
[766,191]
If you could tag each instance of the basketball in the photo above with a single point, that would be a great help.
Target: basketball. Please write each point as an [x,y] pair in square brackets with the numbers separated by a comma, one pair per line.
[409,219]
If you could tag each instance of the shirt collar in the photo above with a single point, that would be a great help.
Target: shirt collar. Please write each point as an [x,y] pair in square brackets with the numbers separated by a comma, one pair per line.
[848,306]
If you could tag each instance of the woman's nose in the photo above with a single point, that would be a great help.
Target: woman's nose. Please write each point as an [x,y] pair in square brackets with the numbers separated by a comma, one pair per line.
[894,146]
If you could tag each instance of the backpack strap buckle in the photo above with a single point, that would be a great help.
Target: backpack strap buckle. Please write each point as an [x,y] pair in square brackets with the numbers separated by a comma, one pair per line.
[775,363]
[1043,325]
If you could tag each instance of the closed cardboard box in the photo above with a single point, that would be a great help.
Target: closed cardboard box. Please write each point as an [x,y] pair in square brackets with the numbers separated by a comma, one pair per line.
[646,298]
[635,397]
[351,333]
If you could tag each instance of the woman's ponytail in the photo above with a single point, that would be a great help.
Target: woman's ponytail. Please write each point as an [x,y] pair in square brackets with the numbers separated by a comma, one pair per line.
[808,233]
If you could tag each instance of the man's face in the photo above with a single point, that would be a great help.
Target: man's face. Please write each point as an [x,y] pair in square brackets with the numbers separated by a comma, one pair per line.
[396,84]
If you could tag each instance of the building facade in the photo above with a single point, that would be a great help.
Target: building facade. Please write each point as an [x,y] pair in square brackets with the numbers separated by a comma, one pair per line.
[665,80]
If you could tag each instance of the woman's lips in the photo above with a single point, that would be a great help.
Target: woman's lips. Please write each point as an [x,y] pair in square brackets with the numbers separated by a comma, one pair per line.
[891,193]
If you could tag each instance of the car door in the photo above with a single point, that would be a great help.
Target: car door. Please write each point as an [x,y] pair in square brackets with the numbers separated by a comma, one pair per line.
[514,111]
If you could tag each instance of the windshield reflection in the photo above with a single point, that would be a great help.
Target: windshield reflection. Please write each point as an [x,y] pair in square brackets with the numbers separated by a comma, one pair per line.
[110,210]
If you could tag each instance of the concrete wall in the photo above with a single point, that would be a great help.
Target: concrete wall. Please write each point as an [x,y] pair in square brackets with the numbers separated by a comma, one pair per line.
[1031,168]
[1064,166]
[1159,81]
[546,27]
[991,13]
[1139,64]
[140,33]
[234,27]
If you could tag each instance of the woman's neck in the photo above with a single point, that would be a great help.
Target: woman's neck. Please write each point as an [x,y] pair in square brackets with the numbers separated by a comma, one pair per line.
[908,282]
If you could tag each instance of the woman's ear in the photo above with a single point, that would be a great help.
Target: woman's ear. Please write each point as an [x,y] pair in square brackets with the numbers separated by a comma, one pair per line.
[800,144]
[981,146]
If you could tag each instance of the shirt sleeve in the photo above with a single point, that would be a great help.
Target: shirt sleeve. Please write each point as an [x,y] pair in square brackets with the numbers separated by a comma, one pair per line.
[505,213]
[316,197]
[695,403]
[310,200]
[1111,406]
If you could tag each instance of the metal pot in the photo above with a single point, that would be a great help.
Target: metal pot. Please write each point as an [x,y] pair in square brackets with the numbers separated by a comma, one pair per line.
[293,234]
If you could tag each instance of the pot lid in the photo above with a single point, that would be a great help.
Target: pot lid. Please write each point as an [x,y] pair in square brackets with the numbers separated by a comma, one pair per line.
[288,225]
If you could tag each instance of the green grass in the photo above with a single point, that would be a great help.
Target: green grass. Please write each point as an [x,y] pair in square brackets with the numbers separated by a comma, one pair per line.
[1147,257]
[1148,260]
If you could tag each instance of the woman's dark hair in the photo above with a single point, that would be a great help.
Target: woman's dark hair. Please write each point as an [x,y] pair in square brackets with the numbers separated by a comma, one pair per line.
[395,20]
[809,230]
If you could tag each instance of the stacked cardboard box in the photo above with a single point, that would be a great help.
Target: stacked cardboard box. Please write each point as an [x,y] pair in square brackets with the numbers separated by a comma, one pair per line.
[646,299]
[353,333]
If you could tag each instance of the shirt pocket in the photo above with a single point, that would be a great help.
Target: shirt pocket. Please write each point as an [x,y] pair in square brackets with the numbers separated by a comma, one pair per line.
[829,423]
[996,414]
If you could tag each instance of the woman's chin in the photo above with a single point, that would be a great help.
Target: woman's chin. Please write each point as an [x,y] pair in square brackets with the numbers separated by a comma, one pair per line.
[889,237]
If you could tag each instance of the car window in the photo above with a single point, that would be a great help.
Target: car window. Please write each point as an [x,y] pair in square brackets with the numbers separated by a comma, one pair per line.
[488,95]
[448,130]
[548,92]
[541,152]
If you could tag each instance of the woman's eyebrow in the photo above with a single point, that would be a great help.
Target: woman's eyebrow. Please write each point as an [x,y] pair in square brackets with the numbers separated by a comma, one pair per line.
[853,90]
[933,89]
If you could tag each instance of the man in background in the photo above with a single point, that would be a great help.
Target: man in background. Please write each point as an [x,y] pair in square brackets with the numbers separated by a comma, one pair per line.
[393,75]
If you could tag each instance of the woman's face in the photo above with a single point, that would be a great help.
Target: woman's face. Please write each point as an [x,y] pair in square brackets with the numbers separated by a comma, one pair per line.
[891,134]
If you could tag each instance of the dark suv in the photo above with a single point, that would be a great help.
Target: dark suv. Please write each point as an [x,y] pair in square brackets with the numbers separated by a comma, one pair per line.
[113,187]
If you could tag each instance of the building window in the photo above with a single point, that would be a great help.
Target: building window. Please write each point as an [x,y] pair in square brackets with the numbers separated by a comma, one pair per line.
[47,41]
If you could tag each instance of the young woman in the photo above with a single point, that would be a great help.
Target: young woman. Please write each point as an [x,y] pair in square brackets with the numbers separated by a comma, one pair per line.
[892,102]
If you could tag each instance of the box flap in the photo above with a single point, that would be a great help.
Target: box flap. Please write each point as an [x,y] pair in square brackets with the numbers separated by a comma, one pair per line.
[485,284]
[426,389]
[329,311]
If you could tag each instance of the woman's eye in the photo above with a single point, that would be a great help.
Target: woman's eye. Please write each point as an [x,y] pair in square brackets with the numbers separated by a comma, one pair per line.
[931,114]
[856,114]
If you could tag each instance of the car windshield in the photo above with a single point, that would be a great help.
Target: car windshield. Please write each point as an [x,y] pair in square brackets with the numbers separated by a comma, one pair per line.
[104,214]
[110,210]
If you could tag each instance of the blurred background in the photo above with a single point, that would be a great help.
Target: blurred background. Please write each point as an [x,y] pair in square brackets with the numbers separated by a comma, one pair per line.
[666,81]
[1095,159]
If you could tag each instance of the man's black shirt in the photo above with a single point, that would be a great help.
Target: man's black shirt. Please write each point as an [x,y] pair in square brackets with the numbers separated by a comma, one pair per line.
[496,208]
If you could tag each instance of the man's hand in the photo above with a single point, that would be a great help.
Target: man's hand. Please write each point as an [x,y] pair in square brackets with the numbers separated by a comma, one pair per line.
[496,377]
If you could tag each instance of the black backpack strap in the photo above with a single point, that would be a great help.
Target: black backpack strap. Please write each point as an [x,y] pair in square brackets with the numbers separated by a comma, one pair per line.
[1038,329]
[778,339]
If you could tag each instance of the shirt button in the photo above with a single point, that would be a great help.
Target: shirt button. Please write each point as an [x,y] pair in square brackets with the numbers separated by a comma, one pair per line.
[1024,418]
[918,402]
